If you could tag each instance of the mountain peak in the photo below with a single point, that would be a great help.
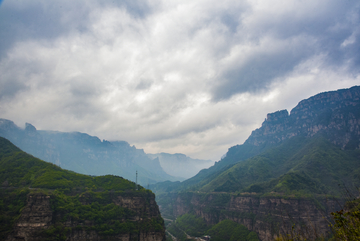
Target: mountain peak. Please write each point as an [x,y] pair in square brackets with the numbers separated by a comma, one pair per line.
[335,113]
[29,127]
[276,116]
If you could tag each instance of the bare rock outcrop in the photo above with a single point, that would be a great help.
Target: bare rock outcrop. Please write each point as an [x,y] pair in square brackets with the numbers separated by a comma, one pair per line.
[335,113]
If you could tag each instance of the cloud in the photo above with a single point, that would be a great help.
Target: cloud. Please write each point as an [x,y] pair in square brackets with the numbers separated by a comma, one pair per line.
[281,36]
[176,76]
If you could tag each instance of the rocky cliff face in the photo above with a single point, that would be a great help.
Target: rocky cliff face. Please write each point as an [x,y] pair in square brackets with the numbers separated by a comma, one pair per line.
[38,218]
[267,216]
[336,113]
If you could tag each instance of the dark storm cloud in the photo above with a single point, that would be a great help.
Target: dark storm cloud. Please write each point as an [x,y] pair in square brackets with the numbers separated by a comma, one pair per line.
[324,30]
[257,72]
[23,20]
[11,88]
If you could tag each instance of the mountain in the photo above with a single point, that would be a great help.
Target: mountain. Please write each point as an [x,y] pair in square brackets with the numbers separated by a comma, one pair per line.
[41,201]
[285,173]
[334,115]
[85,154]
[298,166]
[180,165]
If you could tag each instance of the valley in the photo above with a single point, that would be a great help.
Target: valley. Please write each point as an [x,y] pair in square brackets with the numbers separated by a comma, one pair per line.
[170,120]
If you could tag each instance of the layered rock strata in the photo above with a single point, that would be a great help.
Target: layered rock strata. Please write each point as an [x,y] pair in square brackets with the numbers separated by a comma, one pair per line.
[38,216]
[336,113]
[267,216]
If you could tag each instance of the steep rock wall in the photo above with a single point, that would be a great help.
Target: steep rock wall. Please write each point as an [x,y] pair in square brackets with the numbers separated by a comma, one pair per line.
[38,216]
[336,112]
[267,216]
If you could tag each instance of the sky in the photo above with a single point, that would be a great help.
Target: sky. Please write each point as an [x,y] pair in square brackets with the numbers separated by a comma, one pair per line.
[176,76]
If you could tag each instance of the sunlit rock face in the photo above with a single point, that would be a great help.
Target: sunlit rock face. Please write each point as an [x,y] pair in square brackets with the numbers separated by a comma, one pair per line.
[335,113]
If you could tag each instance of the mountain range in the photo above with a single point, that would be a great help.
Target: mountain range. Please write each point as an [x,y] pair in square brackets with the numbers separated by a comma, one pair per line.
[87,154]
[330,119]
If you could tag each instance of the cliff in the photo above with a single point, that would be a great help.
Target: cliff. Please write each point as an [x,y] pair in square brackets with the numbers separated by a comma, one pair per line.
[39,220]
[267,216]
[336,113]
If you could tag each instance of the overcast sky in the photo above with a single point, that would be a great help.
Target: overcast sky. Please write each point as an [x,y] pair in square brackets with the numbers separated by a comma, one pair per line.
[187,76]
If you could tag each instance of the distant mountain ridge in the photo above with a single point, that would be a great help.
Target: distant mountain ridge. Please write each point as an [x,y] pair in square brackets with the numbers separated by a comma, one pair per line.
[180,165]
[85,154]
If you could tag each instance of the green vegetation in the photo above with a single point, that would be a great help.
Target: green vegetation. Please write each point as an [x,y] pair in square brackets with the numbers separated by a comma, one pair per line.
[74,197]
[19,169]
[228,230]
[168,237]
[347,222]
[177,232]
[299,166]
[11,203]
[194,226]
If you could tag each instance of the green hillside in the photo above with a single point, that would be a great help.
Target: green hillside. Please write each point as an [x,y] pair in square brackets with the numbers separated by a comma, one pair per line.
[299,165]
[76,197]
[227,230]
[19,169]
[234,155]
